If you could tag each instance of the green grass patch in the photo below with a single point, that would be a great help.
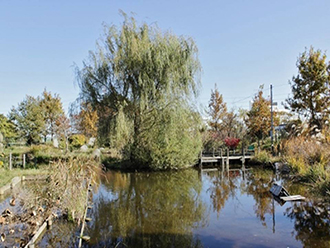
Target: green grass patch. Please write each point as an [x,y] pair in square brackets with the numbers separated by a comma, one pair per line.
[6,175]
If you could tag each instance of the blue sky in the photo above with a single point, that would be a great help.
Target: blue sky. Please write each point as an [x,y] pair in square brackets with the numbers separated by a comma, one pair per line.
[242,44]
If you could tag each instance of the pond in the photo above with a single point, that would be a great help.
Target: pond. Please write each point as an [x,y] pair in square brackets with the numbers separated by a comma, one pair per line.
[199,209]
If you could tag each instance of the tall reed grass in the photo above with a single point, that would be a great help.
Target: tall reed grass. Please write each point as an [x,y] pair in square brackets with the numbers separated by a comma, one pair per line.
[310,159]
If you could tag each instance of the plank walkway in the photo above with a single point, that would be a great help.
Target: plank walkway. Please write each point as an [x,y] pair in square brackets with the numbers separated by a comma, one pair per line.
[293,198]
[224,157]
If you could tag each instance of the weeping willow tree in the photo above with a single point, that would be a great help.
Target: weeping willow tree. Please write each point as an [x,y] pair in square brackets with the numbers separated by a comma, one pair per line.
[142,82]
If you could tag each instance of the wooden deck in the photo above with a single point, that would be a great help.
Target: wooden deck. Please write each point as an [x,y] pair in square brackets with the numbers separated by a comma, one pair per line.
[224,157]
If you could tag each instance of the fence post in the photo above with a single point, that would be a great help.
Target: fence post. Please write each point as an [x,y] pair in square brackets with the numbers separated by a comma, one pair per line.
[10,161]
[200,162]
[24,161]
[243,155]
[228,158]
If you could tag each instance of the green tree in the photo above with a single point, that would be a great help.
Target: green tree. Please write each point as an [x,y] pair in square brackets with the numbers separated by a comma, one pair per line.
[144,72]
[29,119]
[52,109]
[310,88]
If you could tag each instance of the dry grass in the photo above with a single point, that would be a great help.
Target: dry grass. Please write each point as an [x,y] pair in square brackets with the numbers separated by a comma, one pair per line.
[310,158]
[67,185]
[302,153]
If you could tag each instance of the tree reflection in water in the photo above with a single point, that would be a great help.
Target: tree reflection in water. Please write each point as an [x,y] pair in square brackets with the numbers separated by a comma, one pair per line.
[223,186]
[258,184]
[311,219]
[145,210]
[226,184]
[311,223]
[169,209]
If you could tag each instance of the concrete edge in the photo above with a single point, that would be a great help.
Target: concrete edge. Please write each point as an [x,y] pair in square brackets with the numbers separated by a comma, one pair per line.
[16,180]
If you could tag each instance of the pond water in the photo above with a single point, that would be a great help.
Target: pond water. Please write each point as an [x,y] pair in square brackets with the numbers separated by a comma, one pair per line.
[199,209]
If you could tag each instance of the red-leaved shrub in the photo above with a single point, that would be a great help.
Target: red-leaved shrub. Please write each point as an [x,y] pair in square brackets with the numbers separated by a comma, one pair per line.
[232,142]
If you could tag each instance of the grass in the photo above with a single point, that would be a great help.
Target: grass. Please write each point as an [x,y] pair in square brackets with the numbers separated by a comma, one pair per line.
[264,157]
[6,175]
[310,160]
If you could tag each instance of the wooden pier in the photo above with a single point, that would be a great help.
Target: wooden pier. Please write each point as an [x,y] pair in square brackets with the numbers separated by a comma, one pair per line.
[224,157]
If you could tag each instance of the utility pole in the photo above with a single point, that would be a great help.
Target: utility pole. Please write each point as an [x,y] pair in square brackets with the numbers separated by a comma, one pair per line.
[272,121]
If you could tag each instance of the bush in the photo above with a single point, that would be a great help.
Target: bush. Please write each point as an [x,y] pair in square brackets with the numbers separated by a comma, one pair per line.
[41,149]
[232,142]
[77,140]
[262,157]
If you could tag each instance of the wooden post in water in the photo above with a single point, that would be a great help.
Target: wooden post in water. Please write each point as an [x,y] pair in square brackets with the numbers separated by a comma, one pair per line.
[228,158]
[200,161]
[10,161]
[243,155]
[24,160]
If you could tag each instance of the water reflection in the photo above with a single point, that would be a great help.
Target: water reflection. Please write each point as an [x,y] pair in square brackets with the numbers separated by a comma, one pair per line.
[231,192]
[223,208]
[224,184]
[311,223]
[144,209]
[258,185]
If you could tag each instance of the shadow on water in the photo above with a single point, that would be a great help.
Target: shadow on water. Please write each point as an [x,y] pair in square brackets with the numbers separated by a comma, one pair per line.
[202,209]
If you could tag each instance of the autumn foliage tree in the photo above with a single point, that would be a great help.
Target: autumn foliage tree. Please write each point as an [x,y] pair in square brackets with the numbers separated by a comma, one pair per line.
[222,123]
[7,129]
[86,120]
[217,110]
[258,119]
[63,129]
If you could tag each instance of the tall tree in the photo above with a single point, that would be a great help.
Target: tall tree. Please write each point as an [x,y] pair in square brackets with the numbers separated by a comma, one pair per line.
[86,120]
[311,89]
[29,120]
[217,110]
[52,109]
[7,128]
[144,72]
[63,129]
[258,119]
[231,125]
